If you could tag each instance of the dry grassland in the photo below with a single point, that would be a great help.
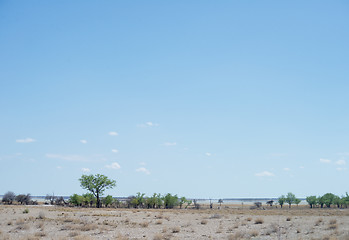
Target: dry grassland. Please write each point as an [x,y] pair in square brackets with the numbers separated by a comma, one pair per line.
[50,222]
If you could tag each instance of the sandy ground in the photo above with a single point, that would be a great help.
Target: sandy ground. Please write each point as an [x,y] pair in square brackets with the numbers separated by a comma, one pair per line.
[52,222]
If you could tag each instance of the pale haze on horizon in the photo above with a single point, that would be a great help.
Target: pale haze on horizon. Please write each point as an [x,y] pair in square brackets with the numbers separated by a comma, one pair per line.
[204,99]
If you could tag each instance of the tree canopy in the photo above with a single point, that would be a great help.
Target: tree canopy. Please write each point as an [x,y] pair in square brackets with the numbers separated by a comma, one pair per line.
[96,184]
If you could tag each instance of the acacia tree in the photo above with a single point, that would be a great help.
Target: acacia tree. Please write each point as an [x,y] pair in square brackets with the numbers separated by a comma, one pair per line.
[290,198]
[96,184]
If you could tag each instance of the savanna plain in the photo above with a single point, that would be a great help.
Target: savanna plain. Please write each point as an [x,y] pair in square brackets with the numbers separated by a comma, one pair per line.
[228,222]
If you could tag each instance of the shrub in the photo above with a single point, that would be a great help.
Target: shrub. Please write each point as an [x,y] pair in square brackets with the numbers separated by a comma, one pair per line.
[23,199]
[259,221]
[170,201]
[281,200]
[311,200]
[107,200]
[8,197]
[76,200]
[25,211]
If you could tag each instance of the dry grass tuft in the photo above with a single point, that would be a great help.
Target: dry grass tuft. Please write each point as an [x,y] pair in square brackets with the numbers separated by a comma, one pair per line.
[176,230]
[288,219]
[204,222]
[162,236]
[40,234]
[333,221]
[158,237]
[144,224]
[73,234]
[41,215]
[259,221]
[158,222]
[249,219]
[215,216]
[254,233]
[317,223]
[236,236]
[332,226]
[122,237]
[88,227]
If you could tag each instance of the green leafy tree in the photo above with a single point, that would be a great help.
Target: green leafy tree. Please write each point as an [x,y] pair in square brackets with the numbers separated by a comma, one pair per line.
[290,198]
[328,199]
[297,201]
[281,200]
[89,199]
[321,201]
[151,201]
[159,201]
[170,201]
[96,184]
[76,199]
[337,201]
[311,200]
[182,201]
[108,200]
[140,199]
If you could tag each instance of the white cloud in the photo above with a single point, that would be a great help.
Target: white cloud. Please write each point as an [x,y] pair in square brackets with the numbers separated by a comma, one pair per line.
[168,144]
[301,167]
[208,154]
[323,160]
[341,169]
[113,133]
[148,124]
[287,169]
[142,163]
[115,150]
[143,169]
[114,165]
[85,170]
[72,158]
[265,174]
[341,162]
[59,167]
[83,141]
[26,140]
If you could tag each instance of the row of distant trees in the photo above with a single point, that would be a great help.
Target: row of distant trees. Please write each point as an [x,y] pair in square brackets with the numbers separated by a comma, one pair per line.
[11,197]
[328,200]
[137,201]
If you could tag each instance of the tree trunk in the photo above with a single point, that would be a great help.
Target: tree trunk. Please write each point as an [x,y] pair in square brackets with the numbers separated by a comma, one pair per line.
[98,200]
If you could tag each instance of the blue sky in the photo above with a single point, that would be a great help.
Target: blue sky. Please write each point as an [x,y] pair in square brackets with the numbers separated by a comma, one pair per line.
[208,99]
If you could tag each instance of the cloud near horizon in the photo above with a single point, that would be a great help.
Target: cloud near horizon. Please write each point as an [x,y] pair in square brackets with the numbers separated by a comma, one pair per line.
[113,133]
[168,144]
[148,124]
[265,174]
[113,165]
[85,170]
[83,141]
[115,150]
[26,140]
[143,170]
[323,160]
[341,162]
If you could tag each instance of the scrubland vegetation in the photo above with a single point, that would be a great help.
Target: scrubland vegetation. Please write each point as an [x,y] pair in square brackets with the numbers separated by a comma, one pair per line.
[94,216]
